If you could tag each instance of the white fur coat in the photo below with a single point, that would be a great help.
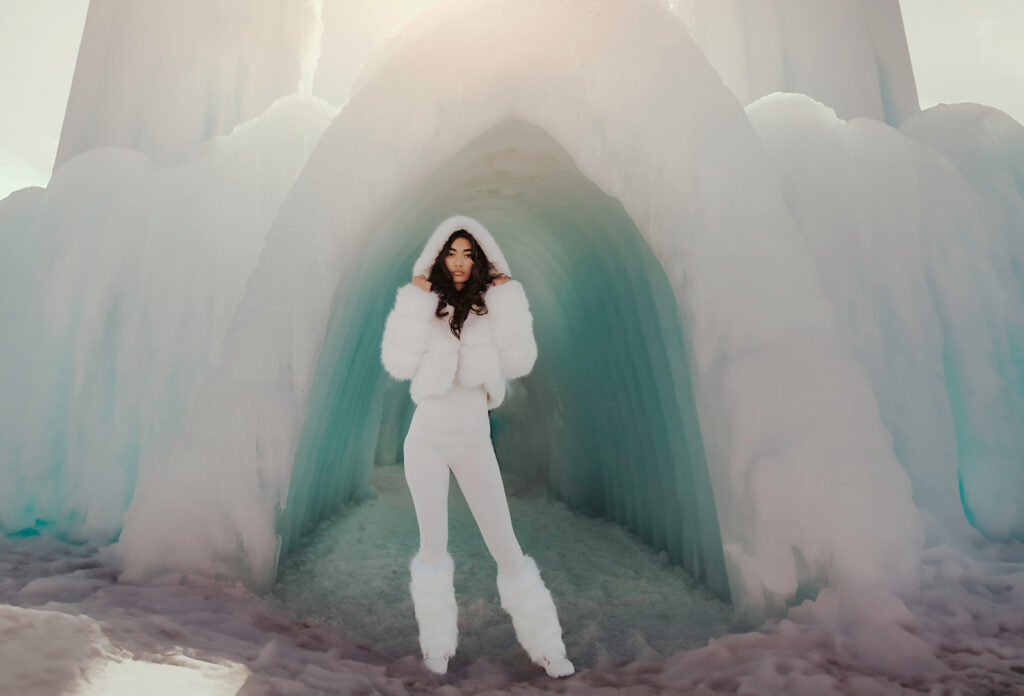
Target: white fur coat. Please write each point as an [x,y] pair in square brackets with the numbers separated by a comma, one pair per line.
[494,347]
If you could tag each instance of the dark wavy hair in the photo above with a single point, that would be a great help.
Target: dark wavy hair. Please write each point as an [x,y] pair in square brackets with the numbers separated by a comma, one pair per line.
[471,296]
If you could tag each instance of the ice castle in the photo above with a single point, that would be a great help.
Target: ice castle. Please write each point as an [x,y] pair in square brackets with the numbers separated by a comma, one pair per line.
[780,309]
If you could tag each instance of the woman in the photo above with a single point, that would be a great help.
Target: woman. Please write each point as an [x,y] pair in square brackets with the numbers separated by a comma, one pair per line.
[458,331]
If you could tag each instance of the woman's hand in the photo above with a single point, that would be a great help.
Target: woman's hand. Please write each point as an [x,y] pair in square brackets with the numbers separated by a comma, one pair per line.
[500,279]
[421,281]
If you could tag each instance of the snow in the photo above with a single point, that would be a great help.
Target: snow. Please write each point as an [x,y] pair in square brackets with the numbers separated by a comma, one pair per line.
[961,632]
[622,599]
[848,54]
[622,609]
[163,77]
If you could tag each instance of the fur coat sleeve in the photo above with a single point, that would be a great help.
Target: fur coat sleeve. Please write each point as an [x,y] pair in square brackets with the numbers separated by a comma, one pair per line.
[512,328]
[405,331]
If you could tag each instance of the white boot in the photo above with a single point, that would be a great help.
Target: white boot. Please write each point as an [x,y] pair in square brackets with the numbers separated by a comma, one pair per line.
[433,597]
[527,600]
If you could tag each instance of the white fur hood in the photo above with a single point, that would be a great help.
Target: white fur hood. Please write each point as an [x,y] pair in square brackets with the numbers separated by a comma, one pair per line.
[494,347]
[460,222]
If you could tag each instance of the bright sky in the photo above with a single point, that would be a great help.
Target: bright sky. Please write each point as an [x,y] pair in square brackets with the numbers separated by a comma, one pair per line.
[961,50]
[967,50]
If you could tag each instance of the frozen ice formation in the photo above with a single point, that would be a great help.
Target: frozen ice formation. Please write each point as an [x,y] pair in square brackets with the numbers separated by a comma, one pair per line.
[116,284]
[922,261]
[781,344]
[850,55]
[163,77]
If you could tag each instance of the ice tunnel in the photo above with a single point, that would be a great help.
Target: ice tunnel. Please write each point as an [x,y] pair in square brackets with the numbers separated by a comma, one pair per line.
[607,419]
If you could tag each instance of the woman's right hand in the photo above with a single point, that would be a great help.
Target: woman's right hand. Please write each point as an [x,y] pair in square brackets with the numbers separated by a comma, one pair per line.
[421,281]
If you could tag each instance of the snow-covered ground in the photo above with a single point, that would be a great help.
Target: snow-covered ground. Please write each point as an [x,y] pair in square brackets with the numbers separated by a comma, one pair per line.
[340,620]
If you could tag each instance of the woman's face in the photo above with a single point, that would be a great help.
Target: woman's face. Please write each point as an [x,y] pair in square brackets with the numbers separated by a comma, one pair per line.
[459,261]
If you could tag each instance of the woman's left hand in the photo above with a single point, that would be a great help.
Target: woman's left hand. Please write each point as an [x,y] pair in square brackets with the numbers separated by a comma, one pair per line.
[500,279]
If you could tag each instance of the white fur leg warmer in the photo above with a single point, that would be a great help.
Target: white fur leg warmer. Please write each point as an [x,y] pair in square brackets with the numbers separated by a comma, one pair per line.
[433,596]
[528,601]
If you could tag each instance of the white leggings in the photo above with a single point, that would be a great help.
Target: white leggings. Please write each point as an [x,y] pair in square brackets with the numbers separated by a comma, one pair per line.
[453,431]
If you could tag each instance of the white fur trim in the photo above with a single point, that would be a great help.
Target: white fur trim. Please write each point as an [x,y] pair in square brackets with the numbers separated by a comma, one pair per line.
[433,594]
[512,328]
[406,330]
[449,225]
[528,601]
[495,393]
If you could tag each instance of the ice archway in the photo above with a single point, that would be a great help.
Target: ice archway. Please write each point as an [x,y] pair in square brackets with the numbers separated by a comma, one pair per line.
[806,486]
[607,419]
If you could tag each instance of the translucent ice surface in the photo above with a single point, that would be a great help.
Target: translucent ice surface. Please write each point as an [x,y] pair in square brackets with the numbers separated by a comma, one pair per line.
[163,77]
[116,284]
[987,371]
[924,262]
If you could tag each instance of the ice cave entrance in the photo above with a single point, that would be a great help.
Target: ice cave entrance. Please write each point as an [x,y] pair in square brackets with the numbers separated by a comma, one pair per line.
[605,422]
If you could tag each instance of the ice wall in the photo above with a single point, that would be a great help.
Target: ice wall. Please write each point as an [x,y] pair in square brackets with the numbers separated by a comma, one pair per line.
[161,77]
[806,485]
[987,147]
[116,285]
[927,287]
[849,54]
